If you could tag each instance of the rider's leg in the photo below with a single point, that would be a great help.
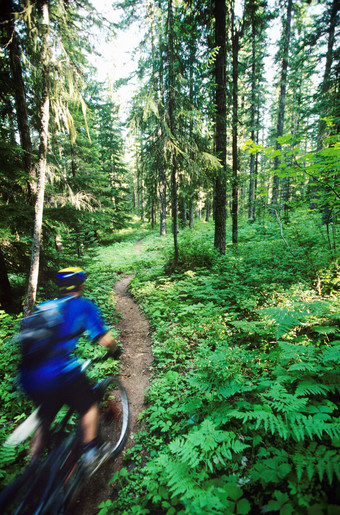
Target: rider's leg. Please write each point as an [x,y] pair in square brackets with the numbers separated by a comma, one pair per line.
[37,444]
[49,405]
[89,423]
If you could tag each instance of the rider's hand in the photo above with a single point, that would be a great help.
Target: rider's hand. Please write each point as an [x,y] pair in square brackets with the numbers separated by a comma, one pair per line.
[115,353]
[109,342]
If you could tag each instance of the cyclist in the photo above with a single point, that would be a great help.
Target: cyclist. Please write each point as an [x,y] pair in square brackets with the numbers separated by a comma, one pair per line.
[58,380]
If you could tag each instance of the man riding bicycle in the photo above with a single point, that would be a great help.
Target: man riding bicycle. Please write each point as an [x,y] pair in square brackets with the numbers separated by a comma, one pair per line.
[58,379]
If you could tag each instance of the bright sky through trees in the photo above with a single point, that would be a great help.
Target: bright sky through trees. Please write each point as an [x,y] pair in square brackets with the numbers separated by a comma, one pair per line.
[117,60]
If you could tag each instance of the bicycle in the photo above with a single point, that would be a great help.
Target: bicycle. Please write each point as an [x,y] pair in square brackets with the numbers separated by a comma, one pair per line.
[50,485]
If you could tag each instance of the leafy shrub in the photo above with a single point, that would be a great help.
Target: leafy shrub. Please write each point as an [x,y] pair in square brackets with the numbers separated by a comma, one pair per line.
[243,414]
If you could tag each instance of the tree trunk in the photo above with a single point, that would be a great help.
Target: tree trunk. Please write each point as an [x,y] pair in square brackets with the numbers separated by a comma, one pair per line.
[207,207]
[191,211]
[171,113]
[252,177]
[153,212]
[141,185]
[111,181]
[183,215]
[220,191]
[157,85]
[39,205]
[326,82]
[325,96]
[234,208]
[73,161]
[192,84]
[162,197]
[5,287]
[282,98]
[20,100]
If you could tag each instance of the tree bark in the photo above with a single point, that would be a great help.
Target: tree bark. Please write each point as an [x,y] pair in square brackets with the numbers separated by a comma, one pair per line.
[252,170]
[162,198]
[20,99]
[192,57]
[39,205]
[207,207]
[111,181]
[326,82]
[282,98]
[183,214]
[220,191]
[141,195]
[6,299]
[171,113]
[234,205]
[157,84]
[191,211]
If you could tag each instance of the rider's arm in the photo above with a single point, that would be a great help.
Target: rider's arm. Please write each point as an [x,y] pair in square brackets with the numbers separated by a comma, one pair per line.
[108,341]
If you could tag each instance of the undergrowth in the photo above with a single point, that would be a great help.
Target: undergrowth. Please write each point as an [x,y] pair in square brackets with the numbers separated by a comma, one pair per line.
[243,413]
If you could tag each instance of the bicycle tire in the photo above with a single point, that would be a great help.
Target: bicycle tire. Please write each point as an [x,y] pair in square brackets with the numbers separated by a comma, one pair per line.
[30,493]
[45,492]
[9,495]
[114,418]
[39,490]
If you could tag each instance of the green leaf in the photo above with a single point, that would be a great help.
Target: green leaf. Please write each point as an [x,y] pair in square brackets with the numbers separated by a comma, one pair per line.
[243,507]
[285,138]
[325,329]
[233,492]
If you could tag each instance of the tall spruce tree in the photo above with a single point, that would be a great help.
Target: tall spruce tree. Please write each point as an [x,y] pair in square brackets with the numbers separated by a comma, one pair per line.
[284,58]
[42,157]
[220,125]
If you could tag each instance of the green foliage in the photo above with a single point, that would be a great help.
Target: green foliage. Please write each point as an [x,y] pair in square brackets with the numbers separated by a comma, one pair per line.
[320,168]
[15,406]
[196,251]
[242,412]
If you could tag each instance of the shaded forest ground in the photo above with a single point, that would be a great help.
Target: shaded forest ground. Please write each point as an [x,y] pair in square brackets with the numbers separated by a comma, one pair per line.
[135,372]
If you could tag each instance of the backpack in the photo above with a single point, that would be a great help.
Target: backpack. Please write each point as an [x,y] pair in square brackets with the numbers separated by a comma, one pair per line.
[40,332]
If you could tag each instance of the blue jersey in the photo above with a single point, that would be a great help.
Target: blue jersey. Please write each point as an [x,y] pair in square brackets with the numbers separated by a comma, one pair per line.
[80,316]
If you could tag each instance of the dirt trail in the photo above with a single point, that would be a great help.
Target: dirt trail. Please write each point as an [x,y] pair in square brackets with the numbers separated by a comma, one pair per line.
[135,373]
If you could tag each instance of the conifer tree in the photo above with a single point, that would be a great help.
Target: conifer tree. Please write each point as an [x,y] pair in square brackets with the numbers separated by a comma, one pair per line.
[257,24]
[220,131]
[11,42]
[284,57]
[42,157]
[329,87]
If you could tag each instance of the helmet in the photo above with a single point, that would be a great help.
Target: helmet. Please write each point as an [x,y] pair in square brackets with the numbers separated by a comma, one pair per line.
[69,279]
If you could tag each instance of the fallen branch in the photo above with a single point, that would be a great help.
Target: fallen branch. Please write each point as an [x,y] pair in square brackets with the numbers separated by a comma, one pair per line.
[281,229]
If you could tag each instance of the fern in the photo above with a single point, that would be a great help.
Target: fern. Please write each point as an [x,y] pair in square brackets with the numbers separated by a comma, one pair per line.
[278,398]
[303,366]
[231,388]
[303,426]
[317,459]
[288,317]
[312,388]
[206,442]
[294,352]
[177,479]
[331,355]
[223,413]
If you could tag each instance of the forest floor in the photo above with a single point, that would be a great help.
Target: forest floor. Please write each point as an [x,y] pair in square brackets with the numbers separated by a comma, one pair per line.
[135,365]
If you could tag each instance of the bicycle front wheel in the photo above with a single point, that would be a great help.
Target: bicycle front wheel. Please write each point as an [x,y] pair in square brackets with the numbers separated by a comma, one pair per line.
[114,417]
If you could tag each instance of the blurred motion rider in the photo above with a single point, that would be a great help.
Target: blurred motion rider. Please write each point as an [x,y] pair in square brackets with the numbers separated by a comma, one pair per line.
[58,379]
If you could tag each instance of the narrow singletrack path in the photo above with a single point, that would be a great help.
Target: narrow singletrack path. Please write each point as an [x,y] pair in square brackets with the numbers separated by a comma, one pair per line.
[135,365]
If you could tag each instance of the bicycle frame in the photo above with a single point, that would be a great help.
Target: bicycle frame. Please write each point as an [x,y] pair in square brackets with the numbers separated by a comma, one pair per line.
[52,484]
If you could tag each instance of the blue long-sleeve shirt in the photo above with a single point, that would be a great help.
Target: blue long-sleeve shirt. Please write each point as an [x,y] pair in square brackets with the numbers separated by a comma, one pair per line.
[80,316]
